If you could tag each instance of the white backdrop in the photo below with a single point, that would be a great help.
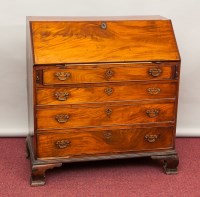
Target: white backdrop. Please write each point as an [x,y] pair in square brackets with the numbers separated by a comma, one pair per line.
[185,17]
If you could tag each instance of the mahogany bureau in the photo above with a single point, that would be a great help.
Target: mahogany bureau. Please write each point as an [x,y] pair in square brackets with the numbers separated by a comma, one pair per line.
[101,88]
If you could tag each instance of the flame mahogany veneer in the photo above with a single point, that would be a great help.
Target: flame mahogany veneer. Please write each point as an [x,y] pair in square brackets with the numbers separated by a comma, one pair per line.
[101,88]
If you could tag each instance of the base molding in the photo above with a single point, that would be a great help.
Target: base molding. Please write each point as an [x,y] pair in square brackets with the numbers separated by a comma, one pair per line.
[40,166]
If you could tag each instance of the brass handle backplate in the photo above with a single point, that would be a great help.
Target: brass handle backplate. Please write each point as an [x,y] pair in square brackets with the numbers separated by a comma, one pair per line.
[151,138]
[108,91]
[62,76]
[155,72]
[108,112]
[108,74]
[153,90]
[152,112]
[62,96]
[62,118]
[62,143]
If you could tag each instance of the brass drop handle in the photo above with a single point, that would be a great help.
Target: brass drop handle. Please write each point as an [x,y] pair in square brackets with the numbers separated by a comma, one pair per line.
[108,91]
[109,74]
[62,118]
[152,113]
[153,91]
[155,72]
[62,143]
[151,138]
[62,96]
[108,112]
[62,76]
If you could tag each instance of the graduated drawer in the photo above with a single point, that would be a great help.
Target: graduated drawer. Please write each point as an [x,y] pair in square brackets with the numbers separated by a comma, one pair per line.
[129,91]
[74,117]
[109,72]
[103,142]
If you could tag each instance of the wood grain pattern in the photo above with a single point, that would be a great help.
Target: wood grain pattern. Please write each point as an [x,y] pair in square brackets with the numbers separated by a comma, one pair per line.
[121,92]
[107,73]
[101,88]
[103,142]
[86,41]
[98,116]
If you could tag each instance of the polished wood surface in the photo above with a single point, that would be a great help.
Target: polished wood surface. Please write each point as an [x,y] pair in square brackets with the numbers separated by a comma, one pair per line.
[108,73]
[103,142]
[100,41]
[101,116]
[110,92]
[101,88]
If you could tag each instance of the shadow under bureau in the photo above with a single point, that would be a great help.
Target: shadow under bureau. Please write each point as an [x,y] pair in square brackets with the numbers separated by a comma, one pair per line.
[101,88]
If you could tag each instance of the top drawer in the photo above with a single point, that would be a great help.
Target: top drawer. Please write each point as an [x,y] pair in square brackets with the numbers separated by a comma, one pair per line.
[108,73]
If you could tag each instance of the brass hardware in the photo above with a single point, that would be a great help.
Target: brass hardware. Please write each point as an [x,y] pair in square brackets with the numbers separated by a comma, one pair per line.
[62,143]
[108,112]
[107,135]
[62,118]
[108,91]
[62,96]
[62,76]
[153,90]
[103,25]
[176,72]
[151,138]
[152,113]
[108,74]
[38,76]
[155,72]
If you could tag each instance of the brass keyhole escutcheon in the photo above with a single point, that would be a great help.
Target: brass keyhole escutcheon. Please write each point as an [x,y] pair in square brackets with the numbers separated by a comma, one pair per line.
[108,91]
[107,136]
[109,74]
[103,25]
[108,112]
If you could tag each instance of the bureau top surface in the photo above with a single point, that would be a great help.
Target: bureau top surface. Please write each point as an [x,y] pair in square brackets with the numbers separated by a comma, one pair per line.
[101,39]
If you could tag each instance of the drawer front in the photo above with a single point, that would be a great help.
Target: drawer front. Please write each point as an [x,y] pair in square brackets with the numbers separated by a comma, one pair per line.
[75,95]
[74,117]
[112,73]
[103,142]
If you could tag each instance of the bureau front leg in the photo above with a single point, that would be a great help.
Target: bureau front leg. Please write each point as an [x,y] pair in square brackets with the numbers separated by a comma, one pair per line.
[38,173]
[170,163]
